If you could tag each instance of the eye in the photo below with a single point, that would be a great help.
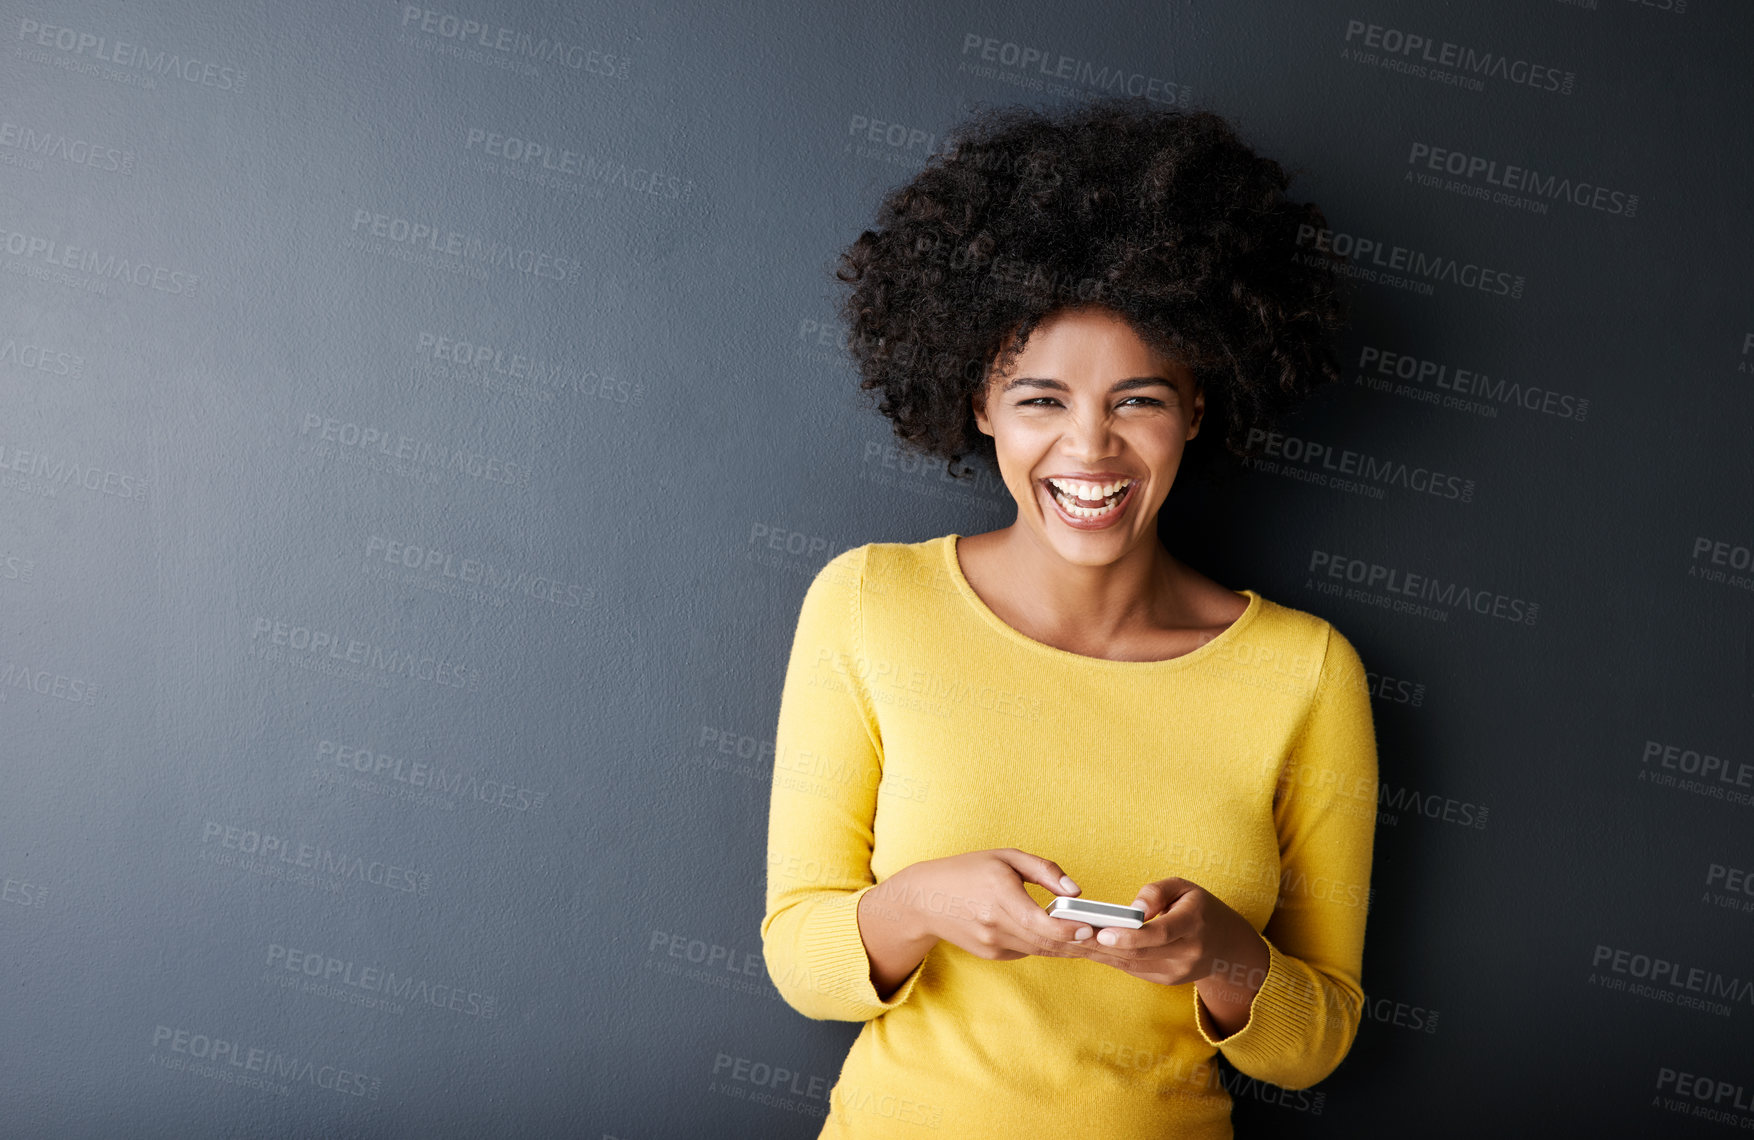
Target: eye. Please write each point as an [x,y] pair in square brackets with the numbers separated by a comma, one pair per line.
[1144,401]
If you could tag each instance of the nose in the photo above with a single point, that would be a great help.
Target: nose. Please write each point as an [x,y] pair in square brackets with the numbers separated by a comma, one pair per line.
[1089,434]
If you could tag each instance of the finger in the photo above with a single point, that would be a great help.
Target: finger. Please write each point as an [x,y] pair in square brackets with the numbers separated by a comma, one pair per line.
[1032,926]
[1120,938]
[1071,929]
[1183,918]
[1155,939]
[1095,954]
[1159,896]
[1071,949]
[1050,935]
[1176,934]
[1154,966]
[1137,951]
[1039,870]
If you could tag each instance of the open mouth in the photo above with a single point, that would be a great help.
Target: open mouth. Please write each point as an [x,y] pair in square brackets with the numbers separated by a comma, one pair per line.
[1090,502]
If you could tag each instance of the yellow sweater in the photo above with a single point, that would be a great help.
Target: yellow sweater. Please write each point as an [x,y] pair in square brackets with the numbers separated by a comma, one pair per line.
[915,724]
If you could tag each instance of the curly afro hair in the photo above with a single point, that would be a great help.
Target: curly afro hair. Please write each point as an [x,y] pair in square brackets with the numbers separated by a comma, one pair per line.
[1161,215]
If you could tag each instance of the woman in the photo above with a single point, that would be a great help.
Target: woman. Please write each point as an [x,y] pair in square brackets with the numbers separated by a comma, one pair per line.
[971,726]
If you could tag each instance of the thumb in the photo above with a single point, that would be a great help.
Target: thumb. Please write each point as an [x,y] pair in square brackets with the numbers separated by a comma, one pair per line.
[1043,871]
[1157,897]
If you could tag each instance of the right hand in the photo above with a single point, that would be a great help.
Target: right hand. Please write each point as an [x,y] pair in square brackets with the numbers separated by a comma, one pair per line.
[976,901]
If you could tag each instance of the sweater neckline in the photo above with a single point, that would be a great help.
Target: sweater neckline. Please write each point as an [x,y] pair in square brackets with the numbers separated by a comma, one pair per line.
[980,607]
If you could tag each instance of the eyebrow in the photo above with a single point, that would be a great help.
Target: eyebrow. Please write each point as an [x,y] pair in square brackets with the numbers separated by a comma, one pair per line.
[1118,386]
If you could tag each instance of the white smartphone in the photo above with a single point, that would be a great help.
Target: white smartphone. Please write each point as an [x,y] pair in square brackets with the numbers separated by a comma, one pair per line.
[1097,913]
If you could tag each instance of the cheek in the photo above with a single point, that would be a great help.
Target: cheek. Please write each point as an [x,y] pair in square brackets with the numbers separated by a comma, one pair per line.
[1020,443]
[1161,441]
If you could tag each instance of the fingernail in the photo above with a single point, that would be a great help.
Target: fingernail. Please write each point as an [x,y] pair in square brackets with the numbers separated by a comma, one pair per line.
[1083,933]
[1068,885]
[1107,938]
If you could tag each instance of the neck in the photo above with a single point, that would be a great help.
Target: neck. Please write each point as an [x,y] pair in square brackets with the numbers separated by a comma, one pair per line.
[1142,587]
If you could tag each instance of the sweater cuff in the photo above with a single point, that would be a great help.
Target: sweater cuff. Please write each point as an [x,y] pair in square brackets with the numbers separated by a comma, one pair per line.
[833,939]
[1280,1016]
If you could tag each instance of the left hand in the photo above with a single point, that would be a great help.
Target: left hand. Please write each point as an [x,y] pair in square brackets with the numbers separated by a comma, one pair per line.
[1187,929]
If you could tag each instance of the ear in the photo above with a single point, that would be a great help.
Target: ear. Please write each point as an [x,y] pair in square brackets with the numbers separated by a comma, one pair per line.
[979,403]
[1199,409]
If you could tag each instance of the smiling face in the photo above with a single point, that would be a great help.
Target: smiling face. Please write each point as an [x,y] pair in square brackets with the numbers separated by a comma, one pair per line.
[1090,422]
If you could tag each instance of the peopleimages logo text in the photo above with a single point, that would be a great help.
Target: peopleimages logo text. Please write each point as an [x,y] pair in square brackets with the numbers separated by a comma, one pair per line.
[511,42]
[1521,179]
[1368,255]
[131,57]
[1435,54]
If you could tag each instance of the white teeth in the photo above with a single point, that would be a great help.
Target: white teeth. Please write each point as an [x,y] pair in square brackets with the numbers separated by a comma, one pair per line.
[1063,492]
[1088,492]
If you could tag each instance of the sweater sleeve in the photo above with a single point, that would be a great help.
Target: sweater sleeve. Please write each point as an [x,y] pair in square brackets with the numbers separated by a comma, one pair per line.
[828,762]
[1303,1020]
